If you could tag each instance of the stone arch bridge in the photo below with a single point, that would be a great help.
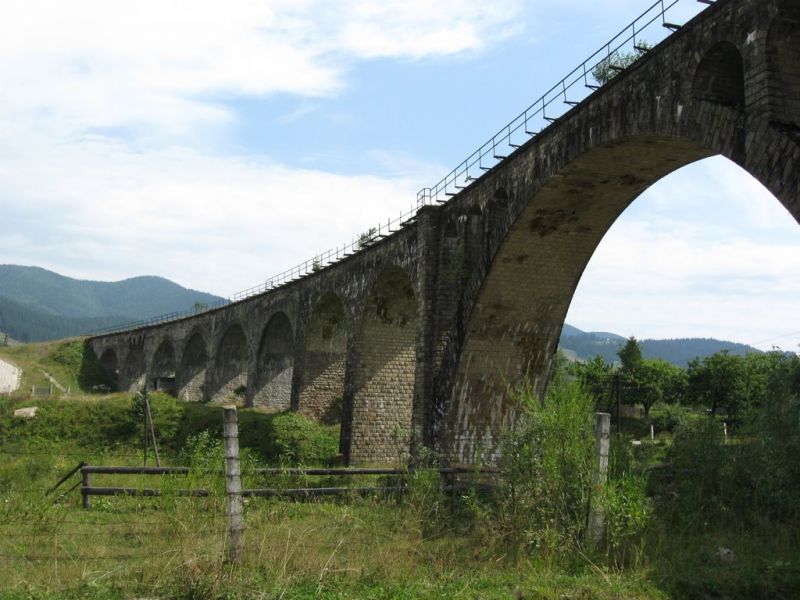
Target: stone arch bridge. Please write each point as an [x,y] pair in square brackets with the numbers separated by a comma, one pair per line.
[413,340]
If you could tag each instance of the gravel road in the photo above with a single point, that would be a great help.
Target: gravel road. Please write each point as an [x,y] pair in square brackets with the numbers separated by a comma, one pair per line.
[9,377]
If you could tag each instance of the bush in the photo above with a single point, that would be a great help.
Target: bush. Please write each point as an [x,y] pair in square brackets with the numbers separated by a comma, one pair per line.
[547,469]
[669,417]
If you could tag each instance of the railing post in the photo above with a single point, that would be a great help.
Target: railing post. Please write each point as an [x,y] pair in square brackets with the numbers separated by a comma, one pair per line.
[233,482]
[85,484]
[602,432]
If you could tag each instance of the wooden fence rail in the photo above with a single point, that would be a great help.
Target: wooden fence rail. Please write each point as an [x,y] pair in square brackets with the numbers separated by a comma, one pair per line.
[88,490]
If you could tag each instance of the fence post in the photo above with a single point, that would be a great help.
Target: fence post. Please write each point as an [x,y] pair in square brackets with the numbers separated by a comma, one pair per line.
[233,482]
[602,431]
[85,483]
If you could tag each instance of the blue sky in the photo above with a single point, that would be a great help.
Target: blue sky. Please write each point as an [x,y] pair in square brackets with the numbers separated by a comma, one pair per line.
[217,144]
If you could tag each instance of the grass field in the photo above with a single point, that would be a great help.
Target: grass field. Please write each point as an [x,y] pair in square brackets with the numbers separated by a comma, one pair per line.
[423,544]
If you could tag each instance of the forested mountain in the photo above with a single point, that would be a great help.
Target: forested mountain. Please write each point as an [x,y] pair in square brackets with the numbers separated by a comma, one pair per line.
[586,345]
[37,305]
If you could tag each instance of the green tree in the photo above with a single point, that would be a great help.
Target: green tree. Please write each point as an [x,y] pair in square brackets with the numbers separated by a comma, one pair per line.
[716,381]
[595,376]
[630,355]
[656,380]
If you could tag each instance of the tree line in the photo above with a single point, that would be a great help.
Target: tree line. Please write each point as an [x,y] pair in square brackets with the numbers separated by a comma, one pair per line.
[722,382]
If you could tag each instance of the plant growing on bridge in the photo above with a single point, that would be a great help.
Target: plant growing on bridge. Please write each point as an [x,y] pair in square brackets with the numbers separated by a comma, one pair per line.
[366,238]
[618,61]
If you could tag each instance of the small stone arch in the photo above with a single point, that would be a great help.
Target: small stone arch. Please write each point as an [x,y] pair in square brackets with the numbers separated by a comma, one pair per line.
[275,364]
[190,379]
[110,363]
[384,370]
[321,386]
[783,65]
[230,366]
[163,369]
[719,77]
[134,371]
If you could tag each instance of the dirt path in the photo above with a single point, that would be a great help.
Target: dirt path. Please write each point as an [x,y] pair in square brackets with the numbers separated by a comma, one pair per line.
[9,377]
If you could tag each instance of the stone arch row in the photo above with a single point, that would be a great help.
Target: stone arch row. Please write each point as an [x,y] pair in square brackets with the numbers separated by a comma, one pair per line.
[363,368]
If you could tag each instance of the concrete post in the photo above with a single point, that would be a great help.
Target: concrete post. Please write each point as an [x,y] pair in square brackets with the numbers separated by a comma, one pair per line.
[233,482]
[602,430]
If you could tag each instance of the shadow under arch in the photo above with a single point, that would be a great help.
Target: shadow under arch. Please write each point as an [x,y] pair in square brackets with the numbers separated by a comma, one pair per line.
[110,363]
[229,381]
[514,326]
[163,368]
[272,383]
[134,371]
[321,381]
[190,379]
[379,392]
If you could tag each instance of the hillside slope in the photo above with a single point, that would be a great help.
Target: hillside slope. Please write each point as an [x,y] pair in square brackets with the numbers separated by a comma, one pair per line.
[38,305]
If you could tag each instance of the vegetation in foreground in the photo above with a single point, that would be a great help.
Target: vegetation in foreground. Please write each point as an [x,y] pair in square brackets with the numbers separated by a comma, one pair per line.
[692,515]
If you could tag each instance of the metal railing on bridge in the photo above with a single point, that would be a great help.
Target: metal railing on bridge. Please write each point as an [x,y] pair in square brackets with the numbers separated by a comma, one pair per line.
[564,95]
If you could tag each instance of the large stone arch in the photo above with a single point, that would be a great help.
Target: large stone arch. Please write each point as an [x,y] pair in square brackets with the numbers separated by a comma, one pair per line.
[783,65]
[230,366]
[321,382]
[190,380]
[513,327]
[272,384]
[110,362]
[381,388]
[134,372]
[163,369]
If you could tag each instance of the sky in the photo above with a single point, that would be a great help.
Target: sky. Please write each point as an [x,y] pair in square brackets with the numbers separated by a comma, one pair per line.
[218,144]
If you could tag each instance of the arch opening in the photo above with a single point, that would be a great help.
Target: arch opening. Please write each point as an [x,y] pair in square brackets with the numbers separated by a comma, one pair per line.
[163,369]
[321,388]
[384,371]
[783,61]
[514,327]
[135,371]
[190,379]
[720,76]
[110,363]
[230,367]
[275,364]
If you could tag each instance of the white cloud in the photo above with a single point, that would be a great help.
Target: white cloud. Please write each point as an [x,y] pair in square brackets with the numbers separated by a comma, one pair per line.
[98,210]
[153,64]
[706,252]
[107,104]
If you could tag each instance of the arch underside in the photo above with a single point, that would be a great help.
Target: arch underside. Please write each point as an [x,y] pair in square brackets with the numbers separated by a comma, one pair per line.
[273,381]
[321,385]
[110,363]
[514,327]
[163,370]
[230,370]
[190,380]
[134,371]
[384,372]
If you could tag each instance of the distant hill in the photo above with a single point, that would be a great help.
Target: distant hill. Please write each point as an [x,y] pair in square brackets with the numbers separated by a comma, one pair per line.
[38,305]
[586,345]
